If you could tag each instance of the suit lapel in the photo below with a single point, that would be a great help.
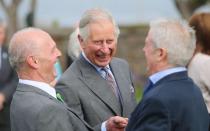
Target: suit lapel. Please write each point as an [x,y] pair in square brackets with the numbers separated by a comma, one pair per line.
[86,124]
[122,84]
[98,86]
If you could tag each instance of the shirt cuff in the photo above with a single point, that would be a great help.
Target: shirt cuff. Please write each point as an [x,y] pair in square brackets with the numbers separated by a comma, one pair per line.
[103,126]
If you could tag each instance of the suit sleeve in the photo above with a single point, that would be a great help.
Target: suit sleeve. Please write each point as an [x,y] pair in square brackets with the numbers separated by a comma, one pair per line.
[53,118]
[151,116]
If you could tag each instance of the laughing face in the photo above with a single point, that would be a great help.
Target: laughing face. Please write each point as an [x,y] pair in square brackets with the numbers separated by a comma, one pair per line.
[150,56]
[100,46]
[47,57]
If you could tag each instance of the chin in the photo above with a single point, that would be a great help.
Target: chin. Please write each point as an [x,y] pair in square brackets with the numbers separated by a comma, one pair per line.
[103,64]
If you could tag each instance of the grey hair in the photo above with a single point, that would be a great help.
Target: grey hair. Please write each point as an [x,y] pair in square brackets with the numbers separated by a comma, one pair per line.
[21,46]
[74,48]
[93,15]
[177,37]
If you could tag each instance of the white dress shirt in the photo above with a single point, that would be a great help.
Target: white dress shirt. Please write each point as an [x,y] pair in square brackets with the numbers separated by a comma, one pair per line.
[41,85]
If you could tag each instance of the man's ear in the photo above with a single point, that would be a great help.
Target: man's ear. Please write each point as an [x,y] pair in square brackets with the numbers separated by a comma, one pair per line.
[80,38]
[32,62]
[81,41]
[161,54]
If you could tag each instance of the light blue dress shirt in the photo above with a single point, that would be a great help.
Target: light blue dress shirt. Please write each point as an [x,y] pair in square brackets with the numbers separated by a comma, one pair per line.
[159,75]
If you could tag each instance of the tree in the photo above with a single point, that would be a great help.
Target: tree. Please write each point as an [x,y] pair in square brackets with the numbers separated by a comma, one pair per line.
[31,14]
[187,7]
[11,11]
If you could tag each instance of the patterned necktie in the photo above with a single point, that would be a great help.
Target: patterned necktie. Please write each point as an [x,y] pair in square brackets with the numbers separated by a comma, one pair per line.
[110,81]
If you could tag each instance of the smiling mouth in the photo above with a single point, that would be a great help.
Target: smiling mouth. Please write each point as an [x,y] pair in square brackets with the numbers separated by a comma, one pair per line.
[103,57]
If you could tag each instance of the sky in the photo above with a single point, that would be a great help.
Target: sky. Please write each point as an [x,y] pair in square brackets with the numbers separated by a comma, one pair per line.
[126,12]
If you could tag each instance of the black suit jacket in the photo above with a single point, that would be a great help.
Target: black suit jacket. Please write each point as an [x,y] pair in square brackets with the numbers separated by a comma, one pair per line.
[8,84]
[174,104]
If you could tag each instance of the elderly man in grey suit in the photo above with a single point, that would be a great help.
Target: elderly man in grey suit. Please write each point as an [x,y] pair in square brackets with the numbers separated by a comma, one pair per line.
[34,106]
[97,85]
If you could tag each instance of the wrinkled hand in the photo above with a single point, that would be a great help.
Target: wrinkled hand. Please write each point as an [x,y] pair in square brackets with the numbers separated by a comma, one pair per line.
[2,100]
[116,123]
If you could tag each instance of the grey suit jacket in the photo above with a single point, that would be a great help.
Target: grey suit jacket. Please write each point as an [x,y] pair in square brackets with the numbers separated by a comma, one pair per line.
[35,110]
[85,91]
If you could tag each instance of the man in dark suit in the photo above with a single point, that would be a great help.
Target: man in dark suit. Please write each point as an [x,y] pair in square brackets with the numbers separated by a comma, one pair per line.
[35,105]
[8,83]
[171,101]
[98,86]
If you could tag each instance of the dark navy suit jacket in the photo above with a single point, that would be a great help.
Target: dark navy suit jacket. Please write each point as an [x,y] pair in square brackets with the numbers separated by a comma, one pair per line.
[174,104]
[8,84]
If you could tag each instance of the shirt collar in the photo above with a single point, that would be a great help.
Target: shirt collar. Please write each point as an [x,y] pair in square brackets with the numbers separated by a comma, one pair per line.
[41,85]
[95,66]
[159,75]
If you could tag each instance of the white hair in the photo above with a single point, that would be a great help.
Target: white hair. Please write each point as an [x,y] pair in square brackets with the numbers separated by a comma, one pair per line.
[93,15]
[74,48]
[20,46]
[178,38]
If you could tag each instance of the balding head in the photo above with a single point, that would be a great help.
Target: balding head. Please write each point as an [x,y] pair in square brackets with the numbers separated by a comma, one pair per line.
[25,42]
[33,54]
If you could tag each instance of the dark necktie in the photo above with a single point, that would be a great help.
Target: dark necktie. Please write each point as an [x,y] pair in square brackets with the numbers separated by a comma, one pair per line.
[148,86]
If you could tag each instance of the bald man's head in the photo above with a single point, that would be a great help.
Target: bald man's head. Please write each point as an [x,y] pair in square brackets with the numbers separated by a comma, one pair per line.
[24,43]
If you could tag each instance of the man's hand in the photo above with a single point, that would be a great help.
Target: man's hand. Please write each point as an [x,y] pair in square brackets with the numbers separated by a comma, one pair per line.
[2,100]
[116,123]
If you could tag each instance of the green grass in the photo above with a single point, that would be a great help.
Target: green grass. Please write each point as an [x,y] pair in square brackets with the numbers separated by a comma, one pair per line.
[139,93]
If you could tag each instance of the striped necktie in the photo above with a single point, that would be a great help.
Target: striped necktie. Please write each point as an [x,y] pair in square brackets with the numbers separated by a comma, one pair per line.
[109,78]
[106,74]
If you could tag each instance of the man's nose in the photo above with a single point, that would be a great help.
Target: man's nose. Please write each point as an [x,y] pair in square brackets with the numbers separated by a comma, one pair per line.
[105,47]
